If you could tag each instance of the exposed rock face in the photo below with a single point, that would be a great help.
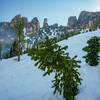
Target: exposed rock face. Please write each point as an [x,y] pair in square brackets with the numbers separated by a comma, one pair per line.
[7,35]
[62,28]
[19,17]
[14,20]
[45,23]
[8,32]
[25,21]
[54,26]
[86,19]
[72,22]
[5,29]
[46,27]
[90,23]
[35,22]
[33,26]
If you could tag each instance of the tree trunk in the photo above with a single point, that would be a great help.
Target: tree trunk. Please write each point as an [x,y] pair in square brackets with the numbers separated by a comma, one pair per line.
[18,53]
[19,49]
[18,57]
[0,57]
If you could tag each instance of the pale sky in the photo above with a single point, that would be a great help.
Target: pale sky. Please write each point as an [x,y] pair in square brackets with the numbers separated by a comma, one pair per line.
[57,11]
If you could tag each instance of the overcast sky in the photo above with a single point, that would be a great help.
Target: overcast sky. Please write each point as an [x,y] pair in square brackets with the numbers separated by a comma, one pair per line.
[57,11]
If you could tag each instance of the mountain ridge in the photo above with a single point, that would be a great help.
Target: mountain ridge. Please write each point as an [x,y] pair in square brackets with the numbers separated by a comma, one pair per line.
[32,28]
[86,19]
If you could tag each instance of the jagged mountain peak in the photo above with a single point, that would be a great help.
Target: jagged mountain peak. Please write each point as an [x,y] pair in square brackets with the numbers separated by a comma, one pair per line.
[86,19]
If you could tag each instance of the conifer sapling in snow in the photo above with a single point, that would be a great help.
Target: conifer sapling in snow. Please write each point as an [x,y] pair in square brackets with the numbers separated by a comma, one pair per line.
[50,57]
[92,50]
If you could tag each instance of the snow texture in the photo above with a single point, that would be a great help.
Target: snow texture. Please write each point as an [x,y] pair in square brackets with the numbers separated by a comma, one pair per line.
[23,81]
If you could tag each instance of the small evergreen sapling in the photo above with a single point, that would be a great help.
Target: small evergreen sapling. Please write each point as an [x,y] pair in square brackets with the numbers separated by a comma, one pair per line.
[92,50]
[67,79]
[50,57]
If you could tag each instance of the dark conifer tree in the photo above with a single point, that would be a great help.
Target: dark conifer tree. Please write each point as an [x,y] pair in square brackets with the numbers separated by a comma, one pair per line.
[50,57]
[20,36]
[92,50]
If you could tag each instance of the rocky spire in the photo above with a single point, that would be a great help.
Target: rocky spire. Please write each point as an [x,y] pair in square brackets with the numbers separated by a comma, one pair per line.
[33,26]
[23,19]
[45,23]
[72,22]
[86,20]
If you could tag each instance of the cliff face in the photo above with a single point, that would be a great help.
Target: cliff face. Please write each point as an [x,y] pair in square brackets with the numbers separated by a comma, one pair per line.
[23,19]
[8,32]
[7,35]
[72,22]
[45,23]
[33,27]
[86,19]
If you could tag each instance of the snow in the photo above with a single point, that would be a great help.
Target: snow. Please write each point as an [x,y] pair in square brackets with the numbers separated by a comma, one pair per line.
[90,87]
[23,81]
[40,36]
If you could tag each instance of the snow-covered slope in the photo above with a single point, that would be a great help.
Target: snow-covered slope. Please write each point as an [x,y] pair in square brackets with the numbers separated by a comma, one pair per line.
[40,36]
[90,87]
[23,81]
